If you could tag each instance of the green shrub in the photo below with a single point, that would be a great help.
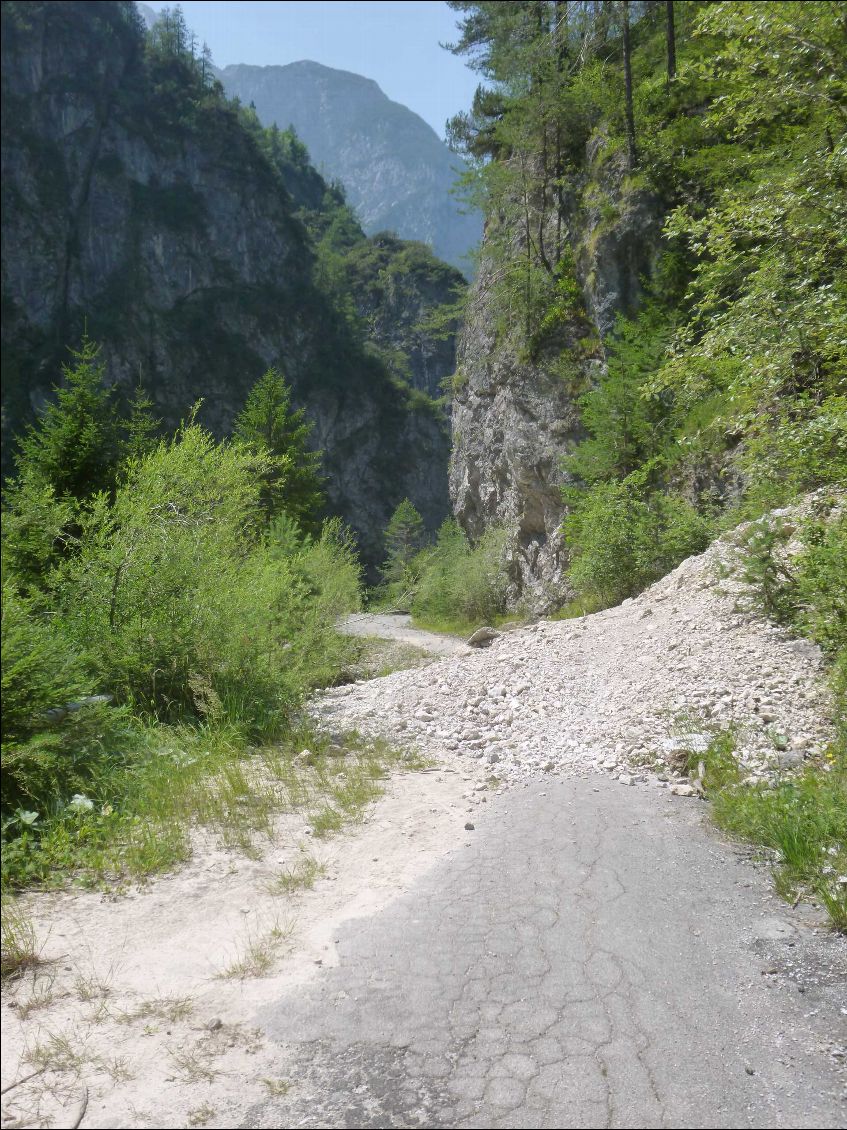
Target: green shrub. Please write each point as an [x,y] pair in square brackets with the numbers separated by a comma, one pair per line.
[37,531]
[41,669]
[56,741]
[821,585]
[460,585]
[182,604]
[622,537]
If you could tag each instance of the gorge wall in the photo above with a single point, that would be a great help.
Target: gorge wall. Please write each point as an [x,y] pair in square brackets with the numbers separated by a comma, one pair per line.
[515,409]
[139,207]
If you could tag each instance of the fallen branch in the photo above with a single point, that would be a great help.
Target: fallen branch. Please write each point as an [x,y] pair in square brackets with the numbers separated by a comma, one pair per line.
[25,1079]
[83,1106]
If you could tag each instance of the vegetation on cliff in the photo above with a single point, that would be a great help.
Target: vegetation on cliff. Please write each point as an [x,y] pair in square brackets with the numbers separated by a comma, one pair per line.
[724,389]
[200,249]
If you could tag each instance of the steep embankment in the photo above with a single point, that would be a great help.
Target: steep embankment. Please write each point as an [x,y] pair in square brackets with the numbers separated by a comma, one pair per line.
[141,205]
[397,173]
[630,691]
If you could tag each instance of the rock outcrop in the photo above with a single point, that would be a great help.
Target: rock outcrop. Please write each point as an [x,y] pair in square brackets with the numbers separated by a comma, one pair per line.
[146,212]
[515,415]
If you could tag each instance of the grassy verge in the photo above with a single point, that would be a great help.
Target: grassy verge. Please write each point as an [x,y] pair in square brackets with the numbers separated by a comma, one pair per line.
[194,779]
[800,822]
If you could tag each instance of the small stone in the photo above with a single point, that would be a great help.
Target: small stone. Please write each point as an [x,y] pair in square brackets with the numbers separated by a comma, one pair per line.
[215,1025]
[469,827]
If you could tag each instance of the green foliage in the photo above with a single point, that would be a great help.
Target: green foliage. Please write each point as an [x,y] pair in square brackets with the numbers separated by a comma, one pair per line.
[36,531]
[404,538]
[460,586]
[269,425]
[625,428]
[41,670]
[622,536]
[820,585]
[76,446]
[804,821]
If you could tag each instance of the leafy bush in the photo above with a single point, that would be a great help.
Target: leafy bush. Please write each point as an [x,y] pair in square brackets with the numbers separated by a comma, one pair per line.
[622,537]
[181,603]
[460,585]
[41,669]
[57,741]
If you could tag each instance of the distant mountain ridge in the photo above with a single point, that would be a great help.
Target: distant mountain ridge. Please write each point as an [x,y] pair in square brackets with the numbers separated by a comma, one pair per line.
[396,171]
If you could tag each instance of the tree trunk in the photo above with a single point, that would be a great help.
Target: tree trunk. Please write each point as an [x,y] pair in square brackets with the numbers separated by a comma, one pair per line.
[627,74]
[671,37]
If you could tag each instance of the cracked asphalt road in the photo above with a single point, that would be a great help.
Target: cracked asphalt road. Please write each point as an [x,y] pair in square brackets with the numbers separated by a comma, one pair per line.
[594,957]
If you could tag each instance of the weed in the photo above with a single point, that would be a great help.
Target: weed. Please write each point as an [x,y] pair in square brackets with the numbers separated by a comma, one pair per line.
[300,877]
[201,1115]
[171,1009]
[192,1064]
[326,820]
[59,1052]
[259,952]
[276,1088]
[20,950]
[92,986]
[118,1069]
[801,820]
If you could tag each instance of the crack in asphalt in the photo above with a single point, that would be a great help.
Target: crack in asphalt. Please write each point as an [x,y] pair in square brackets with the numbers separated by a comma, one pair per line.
[582,962]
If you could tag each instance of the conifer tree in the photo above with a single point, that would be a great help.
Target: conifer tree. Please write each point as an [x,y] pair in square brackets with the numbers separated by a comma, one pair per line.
[76,446]
[404,537]
[271,426]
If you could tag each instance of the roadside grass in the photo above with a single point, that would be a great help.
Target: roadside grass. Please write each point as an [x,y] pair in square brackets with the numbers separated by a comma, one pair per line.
[20,949]
[800,820]
[460,626]
[194,779]
[300,877]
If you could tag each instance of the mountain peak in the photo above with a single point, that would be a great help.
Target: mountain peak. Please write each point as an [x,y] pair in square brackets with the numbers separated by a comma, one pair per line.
[397,172]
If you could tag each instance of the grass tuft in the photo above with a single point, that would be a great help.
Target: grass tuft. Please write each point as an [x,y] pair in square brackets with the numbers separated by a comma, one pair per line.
[20,949]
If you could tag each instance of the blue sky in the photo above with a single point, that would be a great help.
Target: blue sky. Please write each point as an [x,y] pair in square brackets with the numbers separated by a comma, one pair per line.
[394,43]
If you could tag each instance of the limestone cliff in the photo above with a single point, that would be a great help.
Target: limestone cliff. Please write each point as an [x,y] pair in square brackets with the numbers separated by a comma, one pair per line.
[138,205]
[514,410]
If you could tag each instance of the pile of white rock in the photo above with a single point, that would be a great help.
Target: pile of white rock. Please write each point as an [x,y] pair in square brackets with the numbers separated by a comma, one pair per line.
[637,691]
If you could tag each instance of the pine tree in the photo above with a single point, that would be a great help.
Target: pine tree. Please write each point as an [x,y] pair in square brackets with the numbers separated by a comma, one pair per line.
[141,427]
[404,537]
[270,425]
[76,446]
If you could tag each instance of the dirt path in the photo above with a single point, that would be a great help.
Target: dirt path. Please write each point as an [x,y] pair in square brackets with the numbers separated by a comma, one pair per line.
[560,952]
[398,627]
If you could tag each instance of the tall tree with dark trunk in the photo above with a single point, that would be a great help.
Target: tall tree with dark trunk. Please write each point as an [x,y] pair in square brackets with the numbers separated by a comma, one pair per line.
[671,39]
[627,74]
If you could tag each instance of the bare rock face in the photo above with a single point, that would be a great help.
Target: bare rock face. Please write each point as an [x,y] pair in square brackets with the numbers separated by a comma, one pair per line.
[515,419]
[512,422]
[161,228]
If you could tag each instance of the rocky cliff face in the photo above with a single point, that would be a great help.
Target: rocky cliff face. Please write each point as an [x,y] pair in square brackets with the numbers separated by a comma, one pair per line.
[513,419]
[396,171]
[409,300]
[148,214]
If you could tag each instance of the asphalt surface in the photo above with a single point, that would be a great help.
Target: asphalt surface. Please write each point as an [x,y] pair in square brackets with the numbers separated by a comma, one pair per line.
[595,956]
